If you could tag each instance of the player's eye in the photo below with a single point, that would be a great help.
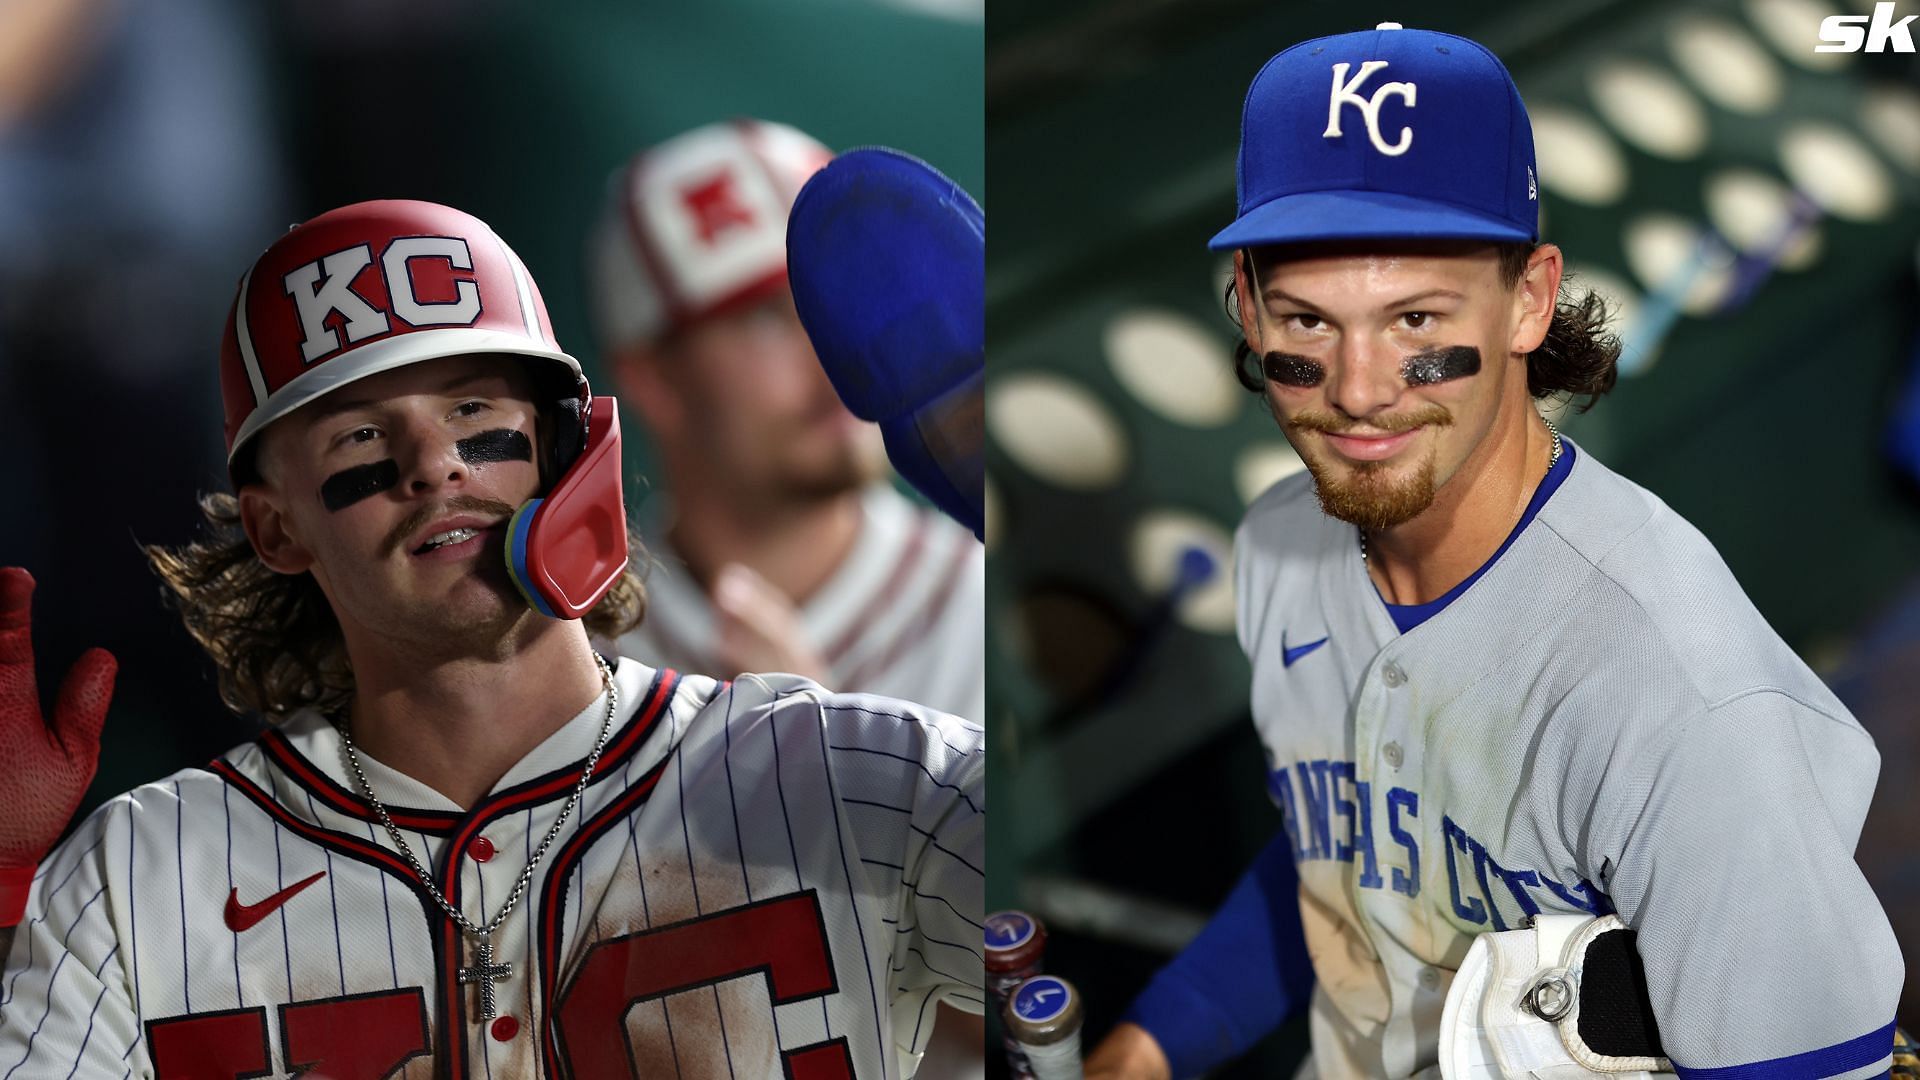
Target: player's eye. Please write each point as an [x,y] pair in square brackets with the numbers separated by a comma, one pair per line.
[1304,321]
[470,408]
[359,435]
[1416,320]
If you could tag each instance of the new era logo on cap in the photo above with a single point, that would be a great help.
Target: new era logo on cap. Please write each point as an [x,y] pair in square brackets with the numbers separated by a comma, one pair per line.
[1384,133]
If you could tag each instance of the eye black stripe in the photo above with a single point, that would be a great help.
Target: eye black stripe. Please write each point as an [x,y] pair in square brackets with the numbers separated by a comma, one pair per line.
[349,486]
[1440,364]
[500,444]
[1289,369]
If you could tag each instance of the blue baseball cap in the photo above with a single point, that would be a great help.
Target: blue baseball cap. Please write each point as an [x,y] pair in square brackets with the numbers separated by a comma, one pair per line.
[1384,133]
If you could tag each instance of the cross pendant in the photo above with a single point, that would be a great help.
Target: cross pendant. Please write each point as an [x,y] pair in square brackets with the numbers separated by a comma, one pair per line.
[485,972]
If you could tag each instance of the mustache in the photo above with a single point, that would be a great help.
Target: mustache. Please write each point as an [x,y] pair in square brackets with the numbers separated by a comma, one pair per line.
[414,522]
[1428,415]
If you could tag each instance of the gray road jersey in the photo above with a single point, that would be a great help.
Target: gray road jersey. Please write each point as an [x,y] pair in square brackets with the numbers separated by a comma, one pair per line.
[1601,722]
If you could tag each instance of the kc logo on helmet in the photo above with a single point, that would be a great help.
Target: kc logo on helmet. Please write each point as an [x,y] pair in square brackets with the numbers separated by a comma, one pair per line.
[1844,34]
[1347,94]
[325,286]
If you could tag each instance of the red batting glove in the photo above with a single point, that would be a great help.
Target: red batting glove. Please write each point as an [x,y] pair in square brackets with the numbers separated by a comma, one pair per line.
[47,769]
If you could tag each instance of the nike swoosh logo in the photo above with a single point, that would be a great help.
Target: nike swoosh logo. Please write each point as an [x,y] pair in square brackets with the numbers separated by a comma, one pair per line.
[1288,656]
[242,916]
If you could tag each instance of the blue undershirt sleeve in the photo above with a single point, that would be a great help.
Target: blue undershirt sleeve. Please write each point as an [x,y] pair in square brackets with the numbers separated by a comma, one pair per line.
[1240,978]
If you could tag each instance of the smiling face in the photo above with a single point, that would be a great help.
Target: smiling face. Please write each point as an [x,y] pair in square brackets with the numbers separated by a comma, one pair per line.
[394,491]
[1388,369]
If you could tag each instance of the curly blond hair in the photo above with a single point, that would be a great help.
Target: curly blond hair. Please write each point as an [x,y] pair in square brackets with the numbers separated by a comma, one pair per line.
[274,637]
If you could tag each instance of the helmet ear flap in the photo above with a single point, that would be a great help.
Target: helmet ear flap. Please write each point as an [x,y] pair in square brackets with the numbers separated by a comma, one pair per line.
[569,435]
[566,549]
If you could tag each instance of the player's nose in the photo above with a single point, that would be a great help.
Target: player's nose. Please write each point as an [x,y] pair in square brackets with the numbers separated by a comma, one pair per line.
[1365,377]
[429,457]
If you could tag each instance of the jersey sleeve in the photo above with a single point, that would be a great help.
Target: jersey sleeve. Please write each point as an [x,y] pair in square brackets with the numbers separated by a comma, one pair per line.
[1766,952]
[1245,973]
[912,783]
[66,1006]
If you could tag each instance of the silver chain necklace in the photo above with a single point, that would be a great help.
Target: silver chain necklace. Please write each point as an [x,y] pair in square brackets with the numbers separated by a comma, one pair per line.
[1552,460]
[485,971]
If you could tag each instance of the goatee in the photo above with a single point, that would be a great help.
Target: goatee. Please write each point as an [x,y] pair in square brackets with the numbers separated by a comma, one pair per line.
[1369,496]
[1367,493]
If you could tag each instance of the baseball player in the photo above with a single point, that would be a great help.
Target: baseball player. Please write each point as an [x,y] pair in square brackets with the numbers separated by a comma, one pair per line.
[780,547]
[1495,680]
[470,844]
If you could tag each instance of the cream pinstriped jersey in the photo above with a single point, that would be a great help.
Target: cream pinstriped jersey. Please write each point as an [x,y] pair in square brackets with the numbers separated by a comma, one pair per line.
[763,880]
[900,617]
[1599,722]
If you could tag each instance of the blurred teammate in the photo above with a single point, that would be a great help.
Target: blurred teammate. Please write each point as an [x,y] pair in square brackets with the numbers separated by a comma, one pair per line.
[781,547]
[1494,679]
[470,845]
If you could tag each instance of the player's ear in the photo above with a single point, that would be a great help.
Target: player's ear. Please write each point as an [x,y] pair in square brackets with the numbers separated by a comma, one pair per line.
[1536,297]
[263,516]
[266,526]
[639,370]
[1244,292]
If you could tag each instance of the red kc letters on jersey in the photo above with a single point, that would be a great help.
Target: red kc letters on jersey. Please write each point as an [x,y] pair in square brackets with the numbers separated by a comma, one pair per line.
[369,1036]
[657,936]
[783,939]
[358,1037]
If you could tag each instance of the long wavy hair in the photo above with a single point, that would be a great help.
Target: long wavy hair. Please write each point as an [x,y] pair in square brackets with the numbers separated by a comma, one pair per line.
[274,637]
[1579,358]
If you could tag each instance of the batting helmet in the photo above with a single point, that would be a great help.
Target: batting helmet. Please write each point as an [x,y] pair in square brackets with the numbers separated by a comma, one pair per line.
[697,226]
[379,285]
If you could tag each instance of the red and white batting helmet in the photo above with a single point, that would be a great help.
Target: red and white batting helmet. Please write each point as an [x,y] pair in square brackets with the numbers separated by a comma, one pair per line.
[697,226]
[367,288]
[379,285]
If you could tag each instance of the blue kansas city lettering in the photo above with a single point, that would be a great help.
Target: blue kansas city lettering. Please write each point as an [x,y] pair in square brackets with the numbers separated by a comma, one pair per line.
[1329,813]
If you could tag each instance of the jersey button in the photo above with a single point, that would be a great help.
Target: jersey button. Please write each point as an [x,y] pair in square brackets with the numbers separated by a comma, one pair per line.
[480,849]
[1429,978]
[1392,753]
[1393,676]
[505,1028]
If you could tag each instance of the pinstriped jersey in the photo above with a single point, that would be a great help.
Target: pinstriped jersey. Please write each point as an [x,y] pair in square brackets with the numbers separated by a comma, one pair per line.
[900,616]
[1598,721]
[762,880]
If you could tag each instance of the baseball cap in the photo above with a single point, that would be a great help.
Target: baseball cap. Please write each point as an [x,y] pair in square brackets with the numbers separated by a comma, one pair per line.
[1384,133]
[697,226]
